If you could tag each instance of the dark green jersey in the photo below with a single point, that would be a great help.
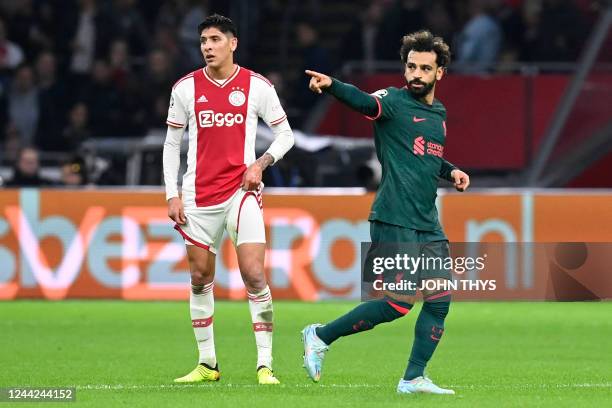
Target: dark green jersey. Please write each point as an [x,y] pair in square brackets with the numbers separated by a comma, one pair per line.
[409,138]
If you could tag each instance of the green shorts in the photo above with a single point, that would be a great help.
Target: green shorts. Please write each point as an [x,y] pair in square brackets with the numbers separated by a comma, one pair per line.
[431,247]
[383,232]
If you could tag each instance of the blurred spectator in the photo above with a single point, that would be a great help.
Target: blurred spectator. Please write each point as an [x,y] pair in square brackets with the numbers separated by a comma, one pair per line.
[479,42]
[77,129]
[84,42]
[188,33]
[49,26]
[119,58]
[276,79]
[23,104]
[159,73]
[159,78]
[103,102]
[513,29]
[93,29]
[130,24]
[168,14]
[131,89]
[438,19]
[31,27]
[556,31]
[26,170]
[3,111]
[12,143]
[166,40]
[151,9]
[133,109]
[361,42]
[402,18]
[315,58]
[314,55]
[52,102]
[74,172]
[104,68]
[11,55]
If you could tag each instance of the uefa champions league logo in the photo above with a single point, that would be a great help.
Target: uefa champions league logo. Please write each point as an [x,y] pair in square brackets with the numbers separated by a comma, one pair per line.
[237,97]
[381,93]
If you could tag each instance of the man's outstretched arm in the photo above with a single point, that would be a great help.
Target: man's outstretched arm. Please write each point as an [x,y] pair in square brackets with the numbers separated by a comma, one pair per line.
[348,94]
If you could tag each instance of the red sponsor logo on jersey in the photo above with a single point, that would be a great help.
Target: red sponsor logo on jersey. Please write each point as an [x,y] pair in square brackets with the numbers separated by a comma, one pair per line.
[435,149]
[420,147]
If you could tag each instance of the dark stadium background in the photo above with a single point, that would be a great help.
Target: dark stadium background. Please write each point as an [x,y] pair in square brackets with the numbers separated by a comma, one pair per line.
[94,281]
[100,100]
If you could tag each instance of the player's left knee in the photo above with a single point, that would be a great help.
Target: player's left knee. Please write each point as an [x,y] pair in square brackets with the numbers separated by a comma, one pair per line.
[255,286]
[254,279]
[394,309]
[436,308]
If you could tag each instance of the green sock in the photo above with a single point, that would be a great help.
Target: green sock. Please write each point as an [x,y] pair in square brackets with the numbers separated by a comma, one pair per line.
[363,317]
[427,333]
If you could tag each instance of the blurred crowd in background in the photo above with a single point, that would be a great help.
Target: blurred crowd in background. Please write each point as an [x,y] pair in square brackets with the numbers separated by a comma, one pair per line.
[71,70]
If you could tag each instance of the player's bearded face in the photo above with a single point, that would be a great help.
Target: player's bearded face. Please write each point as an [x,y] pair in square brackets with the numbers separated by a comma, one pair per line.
[419,87]
[421,73]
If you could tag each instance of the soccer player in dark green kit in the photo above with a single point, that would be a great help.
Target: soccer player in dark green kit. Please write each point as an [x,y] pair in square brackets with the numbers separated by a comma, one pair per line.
[409,133]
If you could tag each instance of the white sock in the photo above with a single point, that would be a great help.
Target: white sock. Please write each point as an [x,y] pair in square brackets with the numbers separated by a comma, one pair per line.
[260,305]
[202,307]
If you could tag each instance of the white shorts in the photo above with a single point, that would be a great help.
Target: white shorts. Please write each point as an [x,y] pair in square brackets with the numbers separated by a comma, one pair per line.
[241,215]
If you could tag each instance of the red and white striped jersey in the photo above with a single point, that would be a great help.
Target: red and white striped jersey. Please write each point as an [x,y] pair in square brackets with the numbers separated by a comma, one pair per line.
[222,119]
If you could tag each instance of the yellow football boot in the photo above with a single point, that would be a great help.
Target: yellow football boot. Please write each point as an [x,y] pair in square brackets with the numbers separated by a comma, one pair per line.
[265,376]
[201,373]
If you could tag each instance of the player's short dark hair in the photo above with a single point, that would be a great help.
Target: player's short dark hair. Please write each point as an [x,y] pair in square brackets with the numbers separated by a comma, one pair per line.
[224,24]
[424,41]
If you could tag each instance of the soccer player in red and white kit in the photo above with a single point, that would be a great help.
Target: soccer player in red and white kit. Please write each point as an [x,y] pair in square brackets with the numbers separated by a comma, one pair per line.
[221,189]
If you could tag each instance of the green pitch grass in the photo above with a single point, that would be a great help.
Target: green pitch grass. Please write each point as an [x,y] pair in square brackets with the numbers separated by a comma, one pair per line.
[492,354]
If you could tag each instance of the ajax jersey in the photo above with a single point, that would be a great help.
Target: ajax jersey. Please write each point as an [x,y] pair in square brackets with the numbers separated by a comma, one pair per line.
[222,120]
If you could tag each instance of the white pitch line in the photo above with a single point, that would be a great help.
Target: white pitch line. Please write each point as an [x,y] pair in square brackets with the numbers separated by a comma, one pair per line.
[532,386]
[230,385]
[209,385]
